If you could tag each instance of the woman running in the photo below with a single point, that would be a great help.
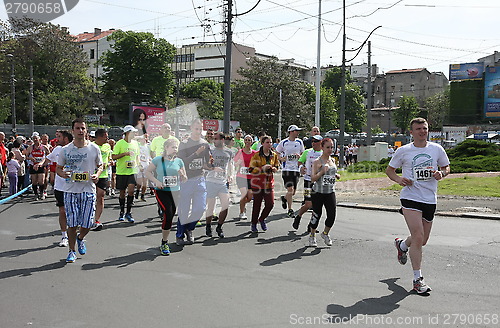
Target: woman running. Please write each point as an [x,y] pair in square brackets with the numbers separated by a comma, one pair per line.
[263,165]
[243,178]
[324,174]
[169,171]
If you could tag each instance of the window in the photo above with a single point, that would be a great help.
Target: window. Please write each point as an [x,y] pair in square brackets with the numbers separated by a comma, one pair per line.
[412,76]
[412,87]
[392,77]
[401,88]
[92,53]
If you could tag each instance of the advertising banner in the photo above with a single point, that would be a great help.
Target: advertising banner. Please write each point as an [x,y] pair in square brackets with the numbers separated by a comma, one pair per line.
[467,71]
[217,125]
[147,119]
[492,92]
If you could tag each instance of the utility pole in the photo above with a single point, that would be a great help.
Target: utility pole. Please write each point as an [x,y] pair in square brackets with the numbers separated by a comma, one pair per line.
[318,73]
[280,114]
[227,67]
[32,123]
[12,93]
[369,97]
[342,92]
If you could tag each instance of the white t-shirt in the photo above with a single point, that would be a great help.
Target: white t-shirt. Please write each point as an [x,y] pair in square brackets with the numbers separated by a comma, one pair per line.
[53,157]
[82,163]
[418,164]
[292,151]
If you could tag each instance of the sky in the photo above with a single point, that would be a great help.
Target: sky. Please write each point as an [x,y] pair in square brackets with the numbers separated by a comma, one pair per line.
[414,33]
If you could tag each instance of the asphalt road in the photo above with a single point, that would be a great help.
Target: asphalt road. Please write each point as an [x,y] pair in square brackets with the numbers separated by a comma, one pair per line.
[267,280]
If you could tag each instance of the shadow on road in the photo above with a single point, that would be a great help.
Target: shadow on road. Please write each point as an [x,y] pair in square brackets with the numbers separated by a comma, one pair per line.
[26,272]
[369,306]
[298,254]
[19,252]
[124,261]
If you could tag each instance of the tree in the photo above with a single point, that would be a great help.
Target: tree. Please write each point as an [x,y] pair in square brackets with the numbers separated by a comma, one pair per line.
[333,78]
[136,70]
[438,108]
[62,91]
[210,94]
[328,110]
[407,110]
[256,98]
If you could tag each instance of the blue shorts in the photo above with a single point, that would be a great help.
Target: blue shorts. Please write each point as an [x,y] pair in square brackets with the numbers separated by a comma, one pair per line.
[80,209]
[214,189]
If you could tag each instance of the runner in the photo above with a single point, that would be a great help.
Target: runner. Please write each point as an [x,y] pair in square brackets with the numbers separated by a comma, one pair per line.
[243,178]
[80,164]
[112,169]
[53,165]
[324,174]
[263,165]
[101,140]
[314,132]
[170,172]
[64,138]
[36,154]
[290,150]
[238,140]
[306,161]
[144,161]
[12,168]
[193,194]
[217,180]
[157,143]
[126,154]
[44,140]
[423,163]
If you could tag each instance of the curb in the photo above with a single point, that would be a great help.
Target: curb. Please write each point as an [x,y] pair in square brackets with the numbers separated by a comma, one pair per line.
[471,215]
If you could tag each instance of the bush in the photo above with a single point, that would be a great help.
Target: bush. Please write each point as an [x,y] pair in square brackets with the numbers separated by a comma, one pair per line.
[470,148]
[475,164]
[370,166]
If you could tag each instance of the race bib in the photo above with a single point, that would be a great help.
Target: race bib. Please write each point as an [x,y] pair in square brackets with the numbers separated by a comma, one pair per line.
[143,158]
[328,179]
[307,192]
[423,174]
[170,181]
[196,164]
[130,164]
[39,159]
[220,175]
[80,176]
[244,170]
[293,157]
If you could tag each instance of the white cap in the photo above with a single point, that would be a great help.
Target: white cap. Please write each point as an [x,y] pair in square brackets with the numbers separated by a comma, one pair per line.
[129,128]
[92,134]
[293,127]
[35,134]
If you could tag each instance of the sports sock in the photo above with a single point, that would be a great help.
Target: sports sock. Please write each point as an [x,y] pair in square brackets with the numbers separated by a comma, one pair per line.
[64,234]
[122,204]
[403,246]
[163,242]
[417,274]
[130,200]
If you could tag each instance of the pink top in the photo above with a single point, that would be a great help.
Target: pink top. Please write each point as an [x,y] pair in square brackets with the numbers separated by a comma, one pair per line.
[242,160]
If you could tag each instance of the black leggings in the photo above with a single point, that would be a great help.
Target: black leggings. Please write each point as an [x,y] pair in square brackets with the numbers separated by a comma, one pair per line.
[167,201]
[318,201]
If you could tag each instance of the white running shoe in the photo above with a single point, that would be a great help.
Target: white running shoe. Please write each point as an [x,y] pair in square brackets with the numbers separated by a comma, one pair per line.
[243,216]
[63,242]
[312,241]
[326,239]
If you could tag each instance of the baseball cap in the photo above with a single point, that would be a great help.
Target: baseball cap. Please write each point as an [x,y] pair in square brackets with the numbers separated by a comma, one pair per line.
[317,137]
[35,134]
[92,134]
[293,127]
[129,128]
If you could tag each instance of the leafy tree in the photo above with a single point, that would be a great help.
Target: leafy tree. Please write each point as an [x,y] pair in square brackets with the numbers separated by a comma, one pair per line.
[256,98]
[328,111]
[62,90]
[377,130]
[136,70]
[438,108]
[210,94]
[355,112]
[333,78]
[407,110]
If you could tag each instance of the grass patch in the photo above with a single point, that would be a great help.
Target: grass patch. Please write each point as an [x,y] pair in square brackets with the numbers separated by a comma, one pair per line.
[346,175]
[466,186]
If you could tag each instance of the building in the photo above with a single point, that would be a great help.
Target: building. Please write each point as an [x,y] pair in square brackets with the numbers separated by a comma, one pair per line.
[94,45]
[491,60]
[390,87]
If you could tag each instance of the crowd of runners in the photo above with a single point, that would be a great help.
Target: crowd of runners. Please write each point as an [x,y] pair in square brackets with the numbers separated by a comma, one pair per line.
[189,177]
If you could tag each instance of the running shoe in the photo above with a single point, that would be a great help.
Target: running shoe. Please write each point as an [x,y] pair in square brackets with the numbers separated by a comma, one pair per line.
[263,225]
[129,217]
[190,238]
[219,231]
[113,192]
[326,239]
[121,217]
[243,216]
[420,286]
[179,241]
[254,228]
[312,241]
[82,249]
[402,256]
[137,194]
[165,249]
[284,203]
[291,213]
[143,197]
[208,230]
[71,257]
[199,224]
[97,226]
[63,242]
[296,222]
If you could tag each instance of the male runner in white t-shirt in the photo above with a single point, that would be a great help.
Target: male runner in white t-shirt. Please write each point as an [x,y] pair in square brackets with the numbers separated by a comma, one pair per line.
[423,164]
[289,151]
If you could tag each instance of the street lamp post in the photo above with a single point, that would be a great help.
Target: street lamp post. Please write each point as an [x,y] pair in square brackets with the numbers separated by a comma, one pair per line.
[12,92]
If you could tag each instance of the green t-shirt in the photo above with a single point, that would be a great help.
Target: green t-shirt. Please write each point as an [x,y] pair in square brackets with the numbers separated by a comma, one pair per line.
[239,143]
[106,154]
[157,144]
[127,165]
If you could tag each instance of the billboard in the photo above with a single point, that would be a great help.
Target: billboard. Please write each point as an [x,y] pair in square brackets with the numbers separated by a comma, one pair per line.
[147,119]
[492,92]
[217,125]
[467,71]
